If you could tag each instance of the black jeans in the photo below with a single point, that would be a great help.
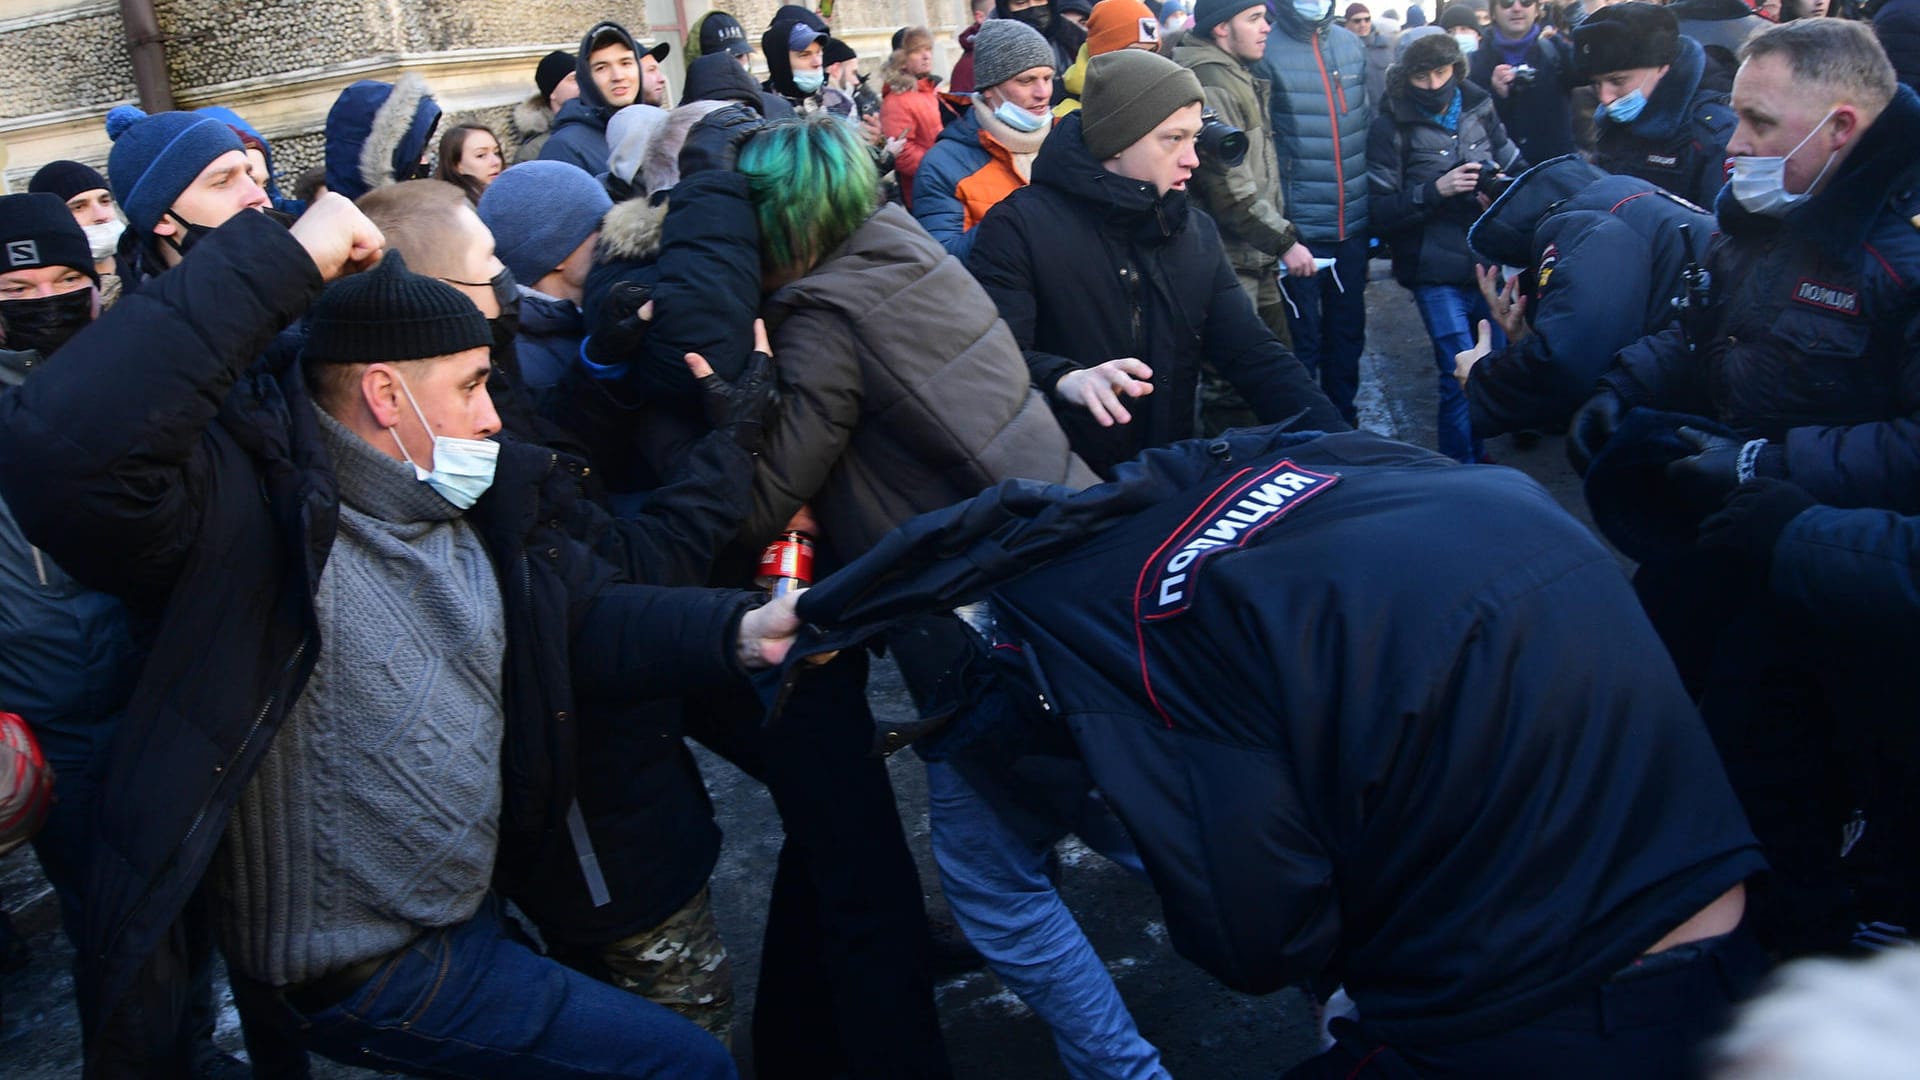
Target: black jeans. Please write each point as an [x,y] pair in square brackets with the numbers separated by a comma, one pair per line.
[846,982]
[1645,1025]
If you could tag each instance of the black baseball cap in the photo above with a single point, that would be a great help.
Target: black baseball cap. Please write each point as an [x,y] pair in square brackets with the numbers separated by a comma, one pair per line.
[720,30]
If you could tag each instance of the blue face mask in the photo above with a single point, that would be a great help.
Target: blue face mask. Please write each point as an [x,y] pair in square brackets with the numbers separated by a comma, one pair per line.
[1312,10]
[809,81]
[1018,118]
[1625,108]
[462,468]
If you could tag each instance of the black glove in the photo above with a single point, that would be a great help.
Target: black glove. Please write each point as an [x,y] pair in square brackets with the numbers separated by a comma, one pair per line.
[619,333]
[1592,425]
[1704,479]
[1754,517]
[715,142]
[742,408]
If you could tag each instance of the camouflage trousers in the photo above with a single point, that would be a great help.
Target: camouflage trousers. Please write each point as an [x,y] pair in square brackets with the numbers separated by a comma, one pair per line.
[681,964]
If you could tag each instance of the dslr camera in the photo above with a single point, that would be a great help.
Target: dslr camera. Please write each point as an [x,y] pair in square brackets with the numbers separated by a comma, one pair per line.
[1492,182]
[1220,141]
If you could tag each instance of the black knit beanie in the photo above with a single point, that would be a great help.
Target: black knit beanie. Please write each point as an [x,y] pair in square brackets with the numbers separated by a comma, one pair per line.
[389,314]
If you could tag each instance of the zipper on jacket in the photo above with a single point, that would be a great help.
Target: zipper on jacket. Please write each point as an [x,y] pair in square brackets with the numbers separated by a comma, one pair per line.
[40,566]
[1130,277]
[259,718]
[1333,121]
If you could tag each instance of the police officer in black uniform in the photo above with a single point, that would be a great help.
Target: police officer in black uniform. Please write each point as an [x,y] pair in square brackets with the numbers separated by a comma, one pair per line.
[1658,117]
[1807,350]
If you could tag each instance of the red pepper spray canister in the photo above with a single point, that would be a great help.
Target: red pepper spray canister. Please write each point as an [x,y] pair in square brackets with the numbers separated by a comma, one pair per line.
[787,564]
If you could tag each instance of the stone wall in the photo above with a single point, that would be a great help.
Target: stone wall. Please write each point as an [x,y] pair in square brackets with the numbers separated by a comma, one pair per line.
[279,63]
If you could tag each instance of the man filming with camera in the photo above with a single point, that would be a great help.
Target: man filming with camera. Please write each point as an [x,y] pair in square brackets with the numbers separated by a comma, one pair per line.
[1243,197]
[1114,290]
[1436,156]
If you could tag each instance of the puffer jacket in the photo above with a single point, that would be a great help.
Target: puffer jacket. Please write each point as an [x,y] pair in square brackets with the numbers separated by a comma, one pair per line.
[549,339]
[911,107]
[201,494]
[1088,265]
[1679,140]
[1407,152]
[1604,255]
[903,392]
[1244,201]
[1321,114]
[1856,571]
[965,175]
[1812,336]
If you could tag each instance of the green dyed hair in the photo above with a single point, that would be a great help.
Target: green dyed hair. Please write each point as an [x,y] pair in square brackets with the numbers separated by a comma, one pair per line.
[812,184]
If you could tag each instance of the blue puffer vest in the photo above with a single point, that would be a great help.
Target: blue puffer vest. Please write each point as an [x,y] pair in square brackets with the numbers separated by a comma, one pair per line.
[1321,114]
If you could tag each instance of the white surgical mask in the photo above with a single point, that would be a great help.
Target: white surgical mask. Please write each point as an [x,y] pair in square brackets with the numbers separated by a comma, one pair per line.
[1469,43]
[1312,10]
[462,468]
[1018,118]
[104,238]
[1760,183]
[808,81]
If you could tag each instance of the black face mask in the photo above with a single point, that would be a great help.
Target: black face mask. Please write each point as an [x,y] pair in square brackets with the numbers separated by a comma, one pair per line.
[1434,102]
[1040,16]
[506,325]
[44,323]
[189,234]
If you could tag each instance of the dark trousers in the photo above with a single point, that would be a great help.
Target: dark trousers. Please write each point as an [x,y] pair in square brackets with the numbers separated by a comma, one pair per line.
[846,983]
[1646,1025]
[1330,325]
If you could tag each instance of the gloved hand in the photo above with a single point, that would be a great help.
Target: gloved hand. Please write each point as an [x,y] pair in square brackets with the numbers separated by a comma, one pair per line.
[1706,477]
[1753,518]
[715,142]
[742,408]
[1592,425]
[621,330]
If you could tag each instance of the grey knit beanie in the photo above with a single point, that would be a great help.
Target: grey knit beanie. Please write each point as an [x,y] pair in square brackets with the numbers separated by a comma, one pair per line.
[539,212]
[1004,48]
[1128,94]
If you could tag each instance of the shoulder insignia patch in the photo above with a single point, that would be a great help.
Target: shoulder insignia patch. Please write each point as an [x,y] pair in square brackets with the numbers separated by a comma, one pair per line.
[1229,519]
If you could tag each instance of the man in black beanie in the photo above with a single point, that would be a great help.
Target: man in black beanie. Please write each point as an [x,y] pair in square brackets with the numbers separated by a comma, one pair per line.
[556,82]
[371,630]
[1656,120]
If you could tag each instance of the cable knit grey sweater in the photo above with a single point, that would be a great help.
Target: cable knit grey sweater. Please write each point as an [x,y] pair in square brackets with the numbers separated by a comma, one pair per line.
[375,813]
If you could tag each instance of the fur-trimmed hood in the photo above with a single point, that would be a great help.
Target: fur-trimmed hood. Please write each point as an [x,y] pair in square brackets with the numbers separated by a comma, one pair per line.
[895,79]
[631,230]
[660,169]
[532,117]
[376,133]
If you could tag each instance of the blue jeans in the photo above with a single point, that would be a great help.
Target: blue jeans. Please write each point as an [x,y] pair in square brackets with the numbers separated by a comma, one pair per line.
[994,827]
[1452,315]
[473,1001]
[1329,325]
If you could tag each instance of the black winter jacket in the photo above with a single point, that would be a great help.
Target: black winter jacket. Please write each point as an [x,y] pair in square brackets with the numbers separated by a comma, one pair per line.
[1679,140]
[1812,337]
[1604,255]
[1537,113]
[1367,739]
[200,492]
[1407,152]
[1897,22]
[1087,266]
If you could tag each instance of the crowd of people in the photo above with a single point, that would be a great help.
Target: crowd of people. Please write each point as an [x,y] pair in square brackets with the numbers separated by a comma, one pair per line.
[371,551]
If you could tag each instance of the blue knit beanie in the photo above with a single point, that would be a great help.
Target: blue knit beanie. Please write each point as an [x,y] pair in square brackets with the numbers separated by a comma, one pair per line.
[539,212]
[155,157]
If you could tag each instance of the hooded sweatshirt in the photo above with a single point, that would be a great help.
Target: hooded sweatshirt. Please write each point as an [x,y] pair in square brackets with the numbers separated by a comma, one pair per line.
[580,127]
[773,44]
